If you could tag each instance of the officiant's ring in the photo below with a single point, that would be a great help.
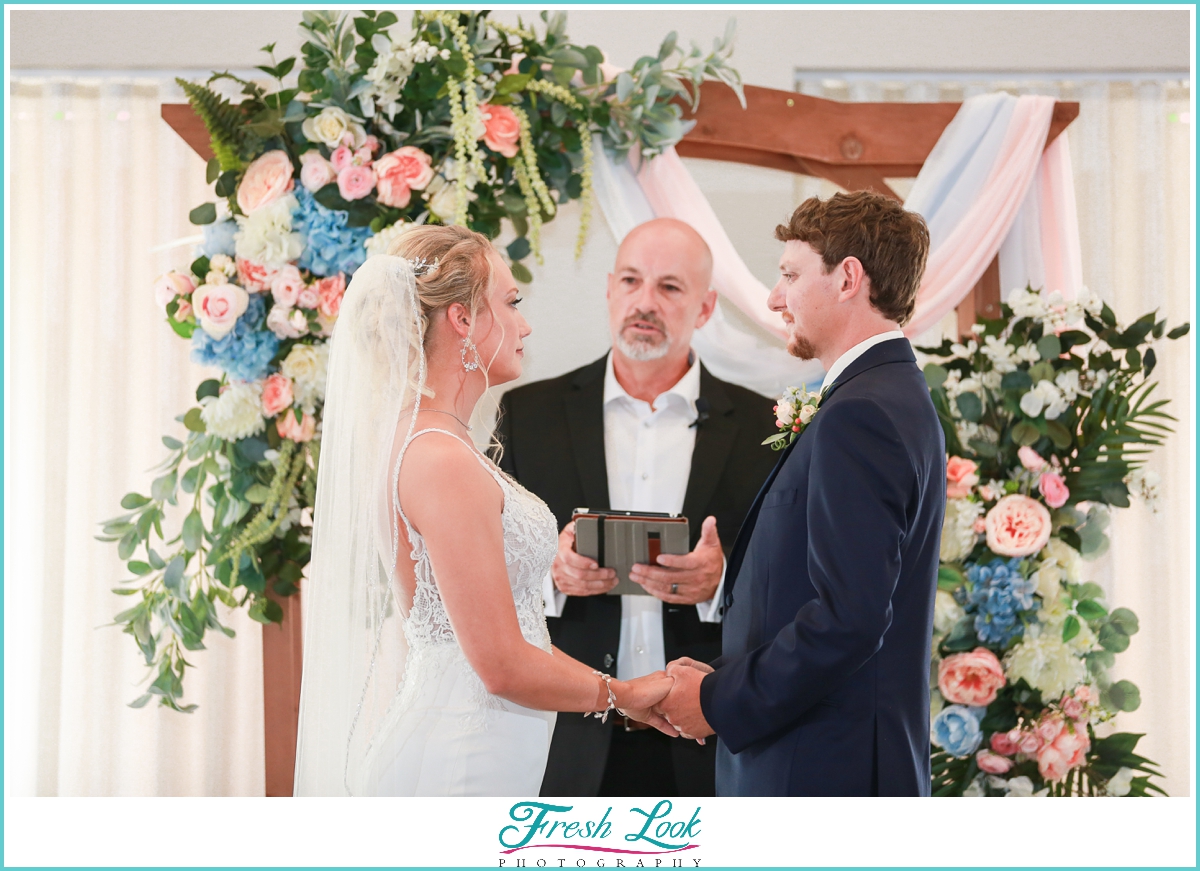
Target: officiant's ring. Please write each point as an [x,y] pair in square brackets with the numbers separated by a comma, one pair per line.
[674,589]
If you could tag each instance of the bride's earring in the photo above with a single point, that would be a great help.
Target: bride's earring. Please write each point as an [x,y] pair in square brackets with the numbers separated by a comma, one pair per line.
[468,345]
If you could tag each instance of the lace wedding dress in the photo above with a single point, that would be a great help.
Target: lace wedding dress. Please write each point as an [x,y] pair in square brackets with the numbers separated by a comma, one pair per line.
[443,733]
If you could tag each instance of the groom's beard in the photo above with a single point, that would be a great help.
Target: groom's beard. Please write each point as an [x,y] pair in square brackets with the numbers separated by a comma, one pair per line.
[800,346]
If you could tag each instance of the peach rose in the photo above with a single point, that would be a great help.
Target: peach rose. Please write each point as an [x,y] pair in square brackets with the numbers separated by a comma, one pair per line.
[1031,459]
[308,298]
[266,180]
[286,286]
[971,679]
[315,171]
[330,291]
[1003,743]
[960,477]
[254,276]
[1068,750]
[1054,489]
[171,285]
[400,173]
[287,427]
[341,158]
[501,129]
[276,395]
[218,306]
[355,182]
[1017,526]
[990,763]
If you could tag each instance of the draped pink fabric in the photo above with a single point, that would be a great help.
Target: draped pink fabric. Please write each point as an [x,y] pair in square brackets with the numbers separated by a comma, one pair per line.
[1061,251]
[956,265]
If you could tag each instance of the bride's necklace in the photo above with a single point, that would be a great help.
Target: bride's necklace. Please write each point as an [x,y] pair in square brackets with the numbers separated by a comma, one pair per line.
[465,426]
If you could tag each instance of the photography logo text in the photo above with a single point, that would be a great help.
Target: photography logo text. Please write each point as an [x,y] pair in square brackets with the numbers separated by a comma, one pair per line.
[636,838]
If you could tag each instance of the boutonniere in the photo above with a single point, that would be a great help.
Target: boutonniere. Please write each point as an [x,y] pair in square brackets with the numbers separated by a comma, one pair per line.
[793,413]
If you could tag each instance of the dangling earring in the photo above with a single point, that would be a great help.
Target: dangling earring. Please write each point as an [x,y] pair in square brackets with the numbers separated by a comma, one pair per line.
[470,365]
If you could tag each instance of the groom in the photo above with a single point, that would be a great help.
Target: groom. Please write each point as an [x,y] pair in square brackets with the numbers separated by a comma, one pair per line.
[823,685]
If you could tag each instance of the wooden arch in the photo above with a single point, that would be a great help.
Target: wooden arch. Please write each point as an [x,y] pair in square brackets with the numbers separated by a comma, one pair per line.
[855,145]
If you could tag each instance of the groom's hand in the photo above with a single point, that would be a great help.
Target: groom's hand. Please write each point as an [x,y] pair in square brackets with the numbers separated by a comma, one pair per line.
[681,707]
[689,578]
[578,575]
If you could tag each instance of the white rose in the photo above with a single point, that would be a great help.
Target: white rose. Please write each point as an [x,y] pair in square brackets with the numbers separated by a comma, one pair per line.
[236,413]
[1049,580]
[305,365]
[806,413]
[441,196]
[266,236]
[330,126]
[946,612]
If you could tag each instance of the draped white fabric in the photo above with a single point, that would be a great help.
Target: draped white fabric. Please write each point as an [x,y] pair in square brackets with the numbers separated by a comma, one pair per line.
[95,377]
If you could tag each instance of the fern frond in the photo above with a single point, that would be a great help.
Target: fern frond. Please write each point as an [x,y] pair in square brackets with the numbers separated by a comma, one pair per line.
[223,120]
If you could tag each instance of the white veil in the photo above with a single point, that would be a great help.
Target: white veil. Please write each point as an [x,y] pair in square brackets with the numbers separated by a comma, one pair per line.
[354,647]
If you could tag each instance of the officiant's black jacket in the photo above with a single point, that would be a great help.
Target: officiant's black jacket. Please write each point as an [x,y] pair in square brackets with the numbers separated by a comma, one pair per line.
[823,687]
[553,437]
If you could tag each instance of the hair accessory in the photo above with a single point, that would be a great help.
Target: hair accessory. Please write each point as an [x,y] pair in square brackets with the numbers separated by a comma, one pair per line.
[421,266]
[470,365]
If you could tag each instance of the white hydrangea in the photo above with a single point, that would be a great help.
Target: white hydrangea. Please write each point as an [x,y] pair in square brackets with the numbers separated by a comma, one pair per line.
[1045,662]
[1044,397]
[1145,485]
[306,366]
[1065,557]
[1053,614]
[236,413]
[382,241]
[946,612]
[958,529]
[266,236]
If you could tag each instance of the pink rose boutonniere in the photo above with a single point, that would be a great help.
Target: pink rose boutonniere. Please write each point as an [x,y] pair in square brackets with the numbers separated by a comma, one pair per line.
[793,413]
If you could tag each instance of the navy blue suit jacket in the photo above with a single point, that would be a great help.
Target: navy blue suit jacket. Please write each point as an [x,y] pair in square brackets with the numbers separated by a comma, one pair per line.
[823,683]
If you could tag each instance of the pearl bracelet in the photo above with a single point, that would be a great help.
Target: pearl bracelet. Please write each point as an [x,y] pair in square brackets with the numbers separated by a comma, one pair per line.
[602,716]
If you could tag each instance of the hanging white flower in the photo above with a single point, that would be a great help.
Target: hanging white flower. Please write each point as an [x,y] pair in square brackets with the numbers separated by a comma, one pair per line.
[236,413]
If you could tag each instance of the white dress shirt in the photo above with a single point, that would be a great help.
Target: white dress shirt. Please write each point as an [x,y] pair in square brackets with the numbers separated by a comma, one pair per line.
[648,455]
[854,353]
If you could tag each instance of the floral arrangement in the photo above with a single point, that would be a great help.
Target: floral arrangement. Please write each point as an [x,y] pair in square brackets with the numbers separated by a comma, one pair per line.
[793,413]
[1048,417]
[458,119]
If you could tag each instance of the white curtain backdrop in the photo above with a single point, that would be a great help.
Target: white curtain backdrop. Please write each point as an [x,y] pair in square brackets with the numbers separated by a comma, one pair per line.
[95,377]
[1130,150]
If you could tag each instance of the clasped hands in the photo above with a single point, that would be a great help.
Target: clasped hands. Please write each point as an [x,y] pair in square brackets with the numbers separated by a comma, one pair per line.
[678,579]
[670,700]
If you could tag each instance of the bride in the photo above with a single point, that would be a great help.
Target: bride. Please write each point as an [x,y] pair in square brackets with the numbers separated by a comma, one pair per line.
[428,669]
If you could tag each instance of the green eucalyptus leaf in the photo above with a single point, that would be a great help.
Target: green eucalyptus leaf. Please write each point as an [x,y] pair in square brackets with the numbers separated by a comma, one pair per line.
[204,214]
[134,500]
[1179,332]
[163,487]
[1018,379]
[1025,433]
[1125,620]
[935,375]
[521,272]
[193,421]
[127,545]
[1112,638]
[193,531]
[139,568]
[1049,347]
[257,494]
[1059,434]
[970,406]
[1090,609]
[949,578]
[173,577]
[1121,696]
[140,701]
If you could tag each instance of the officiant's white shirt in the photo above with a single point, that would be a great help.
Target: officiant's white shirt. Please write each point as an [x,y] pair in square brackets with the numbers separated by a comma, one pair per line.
[648,454]
[839,365]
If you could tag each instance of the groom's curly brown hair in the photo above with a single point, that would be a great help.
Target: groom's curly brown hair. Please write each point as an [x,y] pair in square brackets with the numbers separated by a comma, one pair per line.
[891,243]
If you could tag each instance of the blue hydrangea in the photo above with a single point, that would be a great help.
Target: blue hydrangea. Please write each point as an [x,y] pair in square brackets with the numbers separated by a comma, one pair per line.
[218,239]
[956,730]
[996,594]
[244,352]
[330,246]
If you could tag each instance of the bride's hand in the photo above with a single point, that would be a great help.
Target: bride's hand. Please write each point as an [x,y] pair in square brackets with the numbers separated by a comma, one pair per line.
[636,698]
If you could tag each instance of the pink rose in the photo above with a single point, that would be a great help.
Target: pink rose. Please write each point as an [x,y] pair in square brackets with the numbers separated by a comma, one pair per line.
[355,182]
[979,526]
[363,156]
[276,395]
[1067,751]
[372,143]
[400,173]
[971,679]
[280,322]
[266,180]
[308,298]
[287,427]
[960,477]
[1031,459]
[341,158]
[1049,728]
[1074,708]
[501,129]
[1085,694]
[183,311]
[990,763]
[1054,489]
[286,286]
[315,170]
[218,306]
[1003,743]
[1028,742]
[254,276]
[171,285]
[330,291]
[1017,526]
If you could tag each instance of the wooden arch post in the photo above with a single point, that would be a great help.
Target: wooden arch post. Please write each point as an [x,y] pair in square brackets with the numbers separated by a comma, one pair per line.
[855,145]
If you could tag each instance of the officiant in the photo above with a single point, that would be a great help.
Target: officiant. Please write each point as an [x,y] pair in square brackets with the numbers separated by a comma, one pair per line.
[645,428]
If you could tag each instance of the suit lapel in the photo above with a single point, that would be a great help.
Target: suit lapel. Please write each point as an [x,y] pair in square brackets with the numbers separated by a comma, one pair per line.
[714,442]
[585,420]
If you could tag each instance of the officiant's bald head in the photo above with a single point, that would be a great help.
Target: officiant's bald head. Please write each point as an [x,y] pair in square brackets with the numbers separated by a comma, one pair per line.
[660,290]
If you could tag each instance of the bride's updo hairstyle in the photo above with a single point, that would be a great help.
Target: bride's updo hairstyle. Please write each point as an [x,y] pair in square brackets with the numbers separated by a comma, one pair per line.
[463,273]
